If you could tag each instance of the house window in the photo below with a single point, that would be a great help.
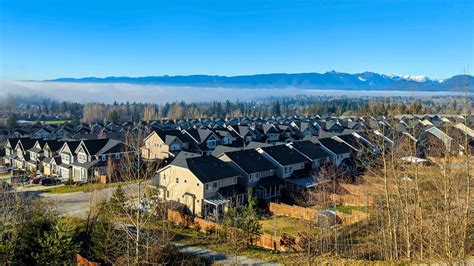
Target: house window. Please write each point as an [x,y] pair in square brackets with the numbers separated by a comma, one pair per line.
[288,169]
[207,186]
[272,172]
[211,143]
[177,180]
[253,177]
[185,181]
[197,184]
[104,158]
[214,185]
[117,156]
[175,147]
[234,180]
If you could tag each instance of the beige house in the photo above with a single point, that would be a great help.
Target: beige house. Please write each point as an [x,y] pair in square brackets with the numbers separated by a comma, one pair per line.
[163,144]
[205,185]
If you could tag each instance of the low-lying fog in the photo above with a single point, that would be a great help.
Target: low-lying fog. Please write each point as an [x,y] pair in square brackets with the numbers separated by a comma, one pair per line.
[109,92]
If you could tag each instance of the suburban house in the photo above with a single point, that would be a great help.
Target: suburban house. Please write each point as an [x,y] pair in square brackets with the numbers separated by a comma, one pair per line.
[256,172]
[434,142]
[50,154]
[22,154]
[43,133]
[292,166]
[36,156]
[94,156]
[205,140]
[229,137]
[271,132]
[67,156]
[305,128]
[10,150]
[204,184]
[341,151]
[316,154]
[245,132]
[163,144]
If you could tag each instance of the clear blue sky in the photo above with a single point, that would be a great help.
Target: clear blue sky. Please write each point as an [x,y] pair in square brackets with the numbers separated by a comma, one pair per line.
[68,38]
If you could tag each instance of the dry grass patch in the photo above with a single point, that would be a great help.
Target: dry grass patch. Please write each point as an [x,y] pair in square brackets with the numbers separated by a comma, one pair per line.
[287,225]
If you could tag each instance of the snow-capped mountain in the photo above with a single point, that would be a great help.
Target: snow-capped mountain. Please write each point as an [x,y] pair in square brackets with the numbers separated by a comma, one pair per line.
[329,80]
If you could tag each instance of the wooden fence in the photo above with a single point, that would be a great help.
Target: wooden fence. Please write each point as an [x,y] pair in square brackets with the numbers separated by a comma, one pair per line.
[265,240]
[81,261]
[293,211]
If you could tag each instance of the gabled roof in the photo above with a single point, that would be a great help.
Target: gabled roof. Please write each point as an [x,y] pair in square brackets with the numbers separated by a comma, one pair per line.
[54,145]
[250,161]
[206,169]
[26,143]
[242,130]
[98,147]
[13,142]
[72,146]
[284,155]
[311,150]
[200,135]
[335,146]
[220,149]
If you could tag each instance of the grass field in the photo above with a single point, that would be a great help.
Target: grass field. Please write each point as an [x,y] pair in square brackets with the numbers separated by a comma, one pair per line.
[347,209]
[55,122]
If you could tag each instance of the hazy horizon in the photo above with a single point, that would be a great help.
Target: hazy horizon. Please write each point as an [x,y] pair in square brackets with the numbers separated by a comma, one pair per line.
[123,92]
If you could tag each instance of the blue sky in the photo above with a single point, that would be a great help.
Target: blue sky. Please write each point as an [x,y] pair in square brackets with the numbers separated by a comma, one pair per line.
[50,39]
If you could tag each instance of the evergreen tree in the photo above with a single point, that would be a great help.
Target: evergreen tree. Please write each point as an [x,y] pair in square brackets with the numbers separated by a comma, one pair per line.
[276,110]
[113,116]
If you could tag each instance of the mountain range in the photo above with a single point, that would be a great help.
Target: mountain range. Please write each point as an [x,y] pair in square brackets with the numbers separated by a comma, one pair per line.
[325,81]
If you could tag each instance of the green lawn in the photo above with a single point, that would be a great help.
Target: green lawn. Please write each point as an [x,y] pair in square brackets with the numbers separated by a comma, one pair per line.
[54,122]
[347,209]
[84,188]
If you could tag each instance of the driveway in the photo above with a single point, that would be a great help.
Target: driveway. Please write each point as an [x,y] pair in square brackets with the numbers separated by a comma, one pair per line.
[79,203]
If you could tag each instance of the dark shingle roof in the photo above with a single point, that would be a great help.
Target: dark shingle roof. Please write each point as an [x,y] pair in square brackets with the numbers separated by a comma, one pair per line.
[206,168]
[168,136]
[335,146]
[284,155]
[209,168]
[250,161]
[311,150]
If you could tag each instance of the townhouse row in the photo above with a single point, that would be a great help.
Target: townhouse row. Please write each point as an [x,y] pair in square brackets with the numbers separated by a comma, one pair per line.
[79,160]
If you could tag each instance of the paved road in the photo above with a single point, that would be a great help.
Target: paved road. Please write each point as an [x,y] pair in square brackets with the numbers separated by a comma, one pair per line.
[79,203]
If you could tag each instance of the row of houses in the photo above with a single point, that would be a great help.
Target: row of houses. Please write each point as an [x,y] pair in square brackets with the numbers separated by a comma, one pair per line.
[302,125]
[212,168]
[79,160]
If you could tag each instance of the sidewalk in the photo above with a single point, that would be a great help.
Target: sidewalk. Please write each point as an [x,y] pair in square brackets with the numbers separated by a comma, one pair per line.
[220,258]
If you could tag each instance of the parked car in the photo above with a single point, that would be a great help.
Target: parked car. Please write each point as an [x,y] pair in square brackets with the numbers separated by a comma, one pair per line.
[49,181]
[36,180]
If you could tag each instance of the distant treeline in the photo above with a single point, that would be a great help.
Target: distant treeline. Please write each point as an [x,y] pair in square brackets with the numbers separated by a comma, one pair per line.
[47,109]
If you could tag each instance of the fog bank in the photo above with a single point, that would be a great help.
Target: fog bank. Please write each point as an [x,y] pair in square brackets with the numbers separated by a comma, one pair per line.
[121,92]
